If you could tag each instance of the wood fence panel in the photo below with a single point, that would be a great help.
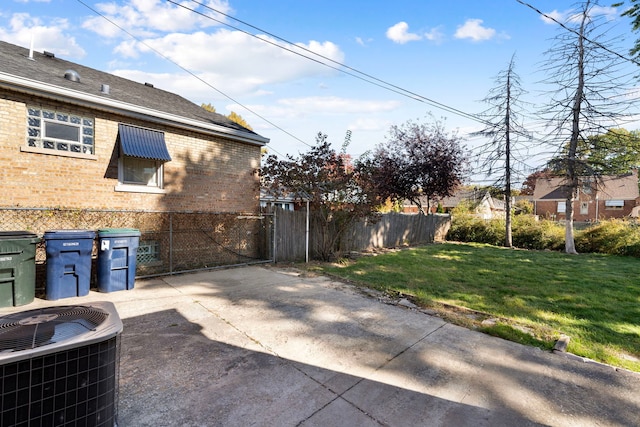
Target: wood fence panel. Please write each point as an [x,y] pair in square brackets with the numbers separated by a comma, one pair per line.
[389,231]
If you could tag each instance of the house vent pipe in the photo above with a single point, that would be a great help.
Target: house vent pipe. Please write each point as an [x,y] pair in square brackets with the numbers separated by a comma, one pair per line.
[104,89]
[48,54]
[72,76]
[148,84]
[31,49]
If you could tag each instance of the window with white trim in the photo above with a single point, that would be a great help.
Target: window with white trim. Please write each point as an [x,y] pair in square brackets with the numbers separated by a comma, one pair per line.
[60,131]
[584,208]
[614,204]
[562,207]
[141,158]
[136,171]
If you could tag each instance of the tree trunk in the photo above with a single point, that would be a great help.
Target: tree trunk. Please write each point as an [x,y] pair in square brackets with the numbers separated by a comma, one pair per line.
[569,244]
[508,241]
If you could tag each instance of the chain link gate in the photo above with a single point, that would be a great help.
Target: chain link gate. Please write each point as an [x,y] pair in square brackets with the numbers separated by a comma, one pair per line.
[170,242]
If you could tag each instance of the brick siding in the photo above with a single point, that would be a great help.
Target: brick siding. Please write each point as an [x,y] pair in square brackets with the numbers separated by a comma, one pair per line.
[206,173]
[547,208]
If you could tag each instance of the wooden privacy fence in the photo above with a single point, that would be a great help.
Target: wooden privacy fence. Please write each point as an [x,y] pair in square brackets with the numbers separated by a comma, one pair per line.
[389,231]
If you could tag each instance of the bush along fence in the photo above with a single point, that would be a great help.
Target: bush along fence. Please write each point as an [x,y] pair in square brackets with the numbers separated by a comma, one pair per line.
[170,242]
[178,242]
[292,238]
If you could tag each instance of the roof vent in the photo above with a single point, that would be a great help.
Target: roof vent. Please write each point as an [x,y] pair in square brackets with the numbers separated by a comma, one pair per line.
[104,89]
[49,54]
[148,84]
[72,75]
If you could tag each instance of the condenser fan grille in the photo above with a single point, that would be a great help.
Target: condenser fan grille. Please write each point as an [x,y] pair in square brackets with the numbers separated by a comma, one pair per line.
[45,326]
[59,366]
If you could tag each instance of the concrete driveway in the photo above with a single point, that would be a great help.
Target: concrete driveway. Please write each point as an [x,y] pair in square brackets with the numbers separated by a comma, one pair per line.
[260,346]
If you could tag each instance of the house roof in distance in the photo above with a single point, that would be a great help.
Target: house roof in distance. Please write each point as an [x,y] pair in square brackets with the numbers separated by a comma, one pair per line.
[44,74]
[609,187]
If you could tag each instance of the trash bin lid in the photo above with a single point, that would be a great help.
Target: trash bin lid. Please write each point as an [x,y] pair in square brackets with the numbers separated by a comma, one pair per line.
[69,234]
[118,232]
[14,235]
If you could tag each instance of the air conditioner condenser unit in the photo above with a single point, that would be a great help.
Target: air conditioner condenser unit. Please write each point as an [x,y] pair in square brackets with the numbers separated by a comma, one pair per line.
[59,366]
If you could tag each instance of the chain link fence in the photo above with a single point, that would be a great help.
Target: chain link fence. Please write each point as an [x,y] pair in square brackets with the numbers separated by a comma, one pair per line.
[170,242]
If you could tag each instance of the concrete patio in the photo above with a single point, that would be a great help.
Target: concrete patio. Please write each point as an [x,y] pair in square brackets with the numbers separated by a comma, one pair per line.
[263,346]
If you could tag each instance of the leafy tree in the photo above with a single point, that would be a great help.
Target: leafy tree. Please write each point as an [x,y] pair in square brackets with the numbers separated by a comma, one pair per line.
[613,153]
[589,90]
[633,12]
[237,118]
[233,116]
[418,161]
[209,107]
[529,184]
[503,128]
[338,195]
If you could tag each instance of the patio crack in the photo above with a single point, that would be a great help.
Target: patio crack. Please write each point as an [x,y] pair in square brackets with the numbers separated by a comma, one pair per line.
[341,395]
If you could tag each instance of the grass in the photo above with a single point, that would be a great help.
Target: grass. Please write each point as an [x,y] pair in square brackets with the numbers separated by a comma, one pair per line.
[531,297]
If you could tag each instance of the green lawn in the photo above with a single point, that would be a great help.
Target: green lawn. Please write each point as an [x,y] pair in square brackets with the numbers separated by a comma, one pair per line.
[535,296]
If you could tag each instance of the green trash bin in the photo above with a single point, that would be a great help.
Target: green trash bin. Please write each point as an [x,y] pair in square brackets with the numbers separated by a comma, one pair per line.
[17,267]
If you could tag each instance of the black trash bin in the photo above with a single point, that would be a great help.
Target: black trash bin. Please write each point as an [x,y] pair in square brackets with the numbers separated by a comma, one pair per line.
[117,249]
[68,263]
[17,267]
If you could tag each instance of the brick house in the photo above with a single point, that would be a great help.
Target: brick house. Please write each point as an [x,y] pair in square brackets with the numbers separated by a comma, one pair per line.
[605,197]
[85,149]
[76,137]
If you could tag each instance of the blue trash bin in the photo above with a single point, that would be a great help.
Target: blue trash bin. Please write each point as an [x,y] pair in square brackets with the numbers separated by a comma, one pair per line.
[117,249]
[68,263]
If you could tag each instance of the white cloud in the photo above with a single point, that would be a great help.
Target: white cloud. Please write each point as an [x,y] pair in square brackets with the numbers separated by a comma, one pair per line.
[145,18]
[297,108]
[369,124]
[399,33]
[363,42]
[553,15]
[473,29]
[337,105]
[241,63]
[434,35]
[609,13]
[50,36]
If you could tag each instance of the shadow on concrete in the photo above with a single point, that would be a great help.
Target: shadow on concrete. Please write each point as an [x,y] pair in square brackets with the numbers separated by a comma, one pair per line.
[172,374]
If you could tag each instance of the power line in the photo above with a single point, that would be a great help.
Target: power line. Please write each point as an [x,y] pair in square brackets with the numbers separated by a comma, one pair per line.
[194,75]
[341,67]
[601,46]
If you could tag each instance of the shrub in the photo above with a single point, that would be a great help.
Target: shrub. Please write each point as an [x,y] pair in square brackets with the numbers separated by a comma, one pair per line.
[470,228]
[614,237]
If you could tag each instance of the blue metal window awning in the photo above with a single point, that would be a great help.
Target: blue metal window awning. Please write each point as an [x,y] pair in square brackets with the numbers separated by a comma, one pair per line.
[142,143]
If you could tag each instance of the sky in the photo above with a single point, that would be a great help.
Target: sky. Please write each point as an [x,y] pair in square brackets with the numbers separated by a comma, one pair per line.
[253,57]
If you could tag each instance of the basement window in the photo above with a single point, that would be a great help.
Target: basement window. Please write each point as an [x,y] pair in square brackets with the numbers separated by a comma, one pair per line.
[59,131]
[148,252]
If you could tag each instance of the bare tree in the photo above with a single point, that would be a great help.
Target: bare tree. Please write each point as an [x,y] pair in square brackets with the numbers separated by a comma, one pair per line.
[590,92]
[503,127]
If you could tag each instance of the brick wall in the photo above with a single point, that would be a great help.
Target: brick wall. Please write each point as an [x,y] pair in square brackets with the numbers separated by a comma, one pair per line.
[595,211]
[206,173]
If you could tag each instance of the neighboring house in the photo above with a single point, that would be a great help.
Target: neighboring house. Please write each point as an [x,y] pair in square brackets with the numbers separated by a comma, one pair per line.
[490,208]
[268,201]
[605,197]
[484,205]
[76,137]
